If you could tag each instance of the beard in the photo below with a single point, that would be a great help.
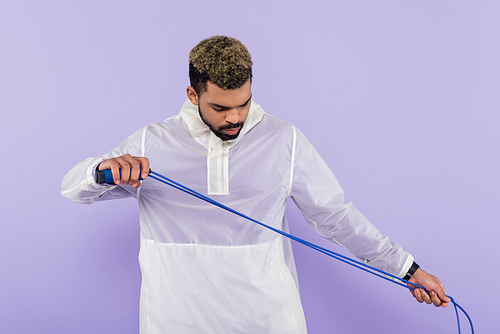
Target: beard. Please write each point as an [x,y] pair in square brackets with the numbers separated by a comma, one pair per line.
[218,131]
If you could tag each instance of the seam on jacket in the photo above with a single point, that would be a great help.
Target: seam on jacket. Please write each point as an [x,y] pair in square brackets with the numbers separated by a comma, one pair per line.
[142,152]
[292,162]
[278,238]
[145,317]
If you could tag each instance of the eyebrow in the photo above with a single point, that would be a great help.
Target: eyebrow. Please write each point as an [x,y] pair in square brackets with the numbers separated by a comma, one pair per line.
[225,107]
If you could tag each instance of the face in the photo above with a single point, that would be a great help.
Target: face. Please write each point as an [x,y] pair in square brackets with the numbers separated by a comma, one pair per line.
[223,110]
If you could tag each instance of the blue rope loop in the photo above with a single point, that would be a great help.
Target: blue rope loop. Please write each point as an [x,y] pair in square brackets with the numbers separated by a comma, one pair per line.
[360,265]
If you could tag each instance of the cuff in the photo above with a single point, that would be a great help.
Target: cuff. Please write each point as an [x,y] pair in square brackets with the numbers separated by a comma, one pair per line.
[411,271]
[407,265]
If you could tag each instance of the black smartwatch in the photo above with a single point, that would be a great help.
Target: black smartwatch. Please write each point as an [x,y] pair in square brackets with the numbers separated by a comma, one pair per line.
[411,271]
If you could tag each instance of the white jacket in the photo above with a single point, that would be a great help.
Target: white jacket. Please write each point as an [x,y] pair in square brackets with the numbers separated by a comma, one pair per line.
[206,270]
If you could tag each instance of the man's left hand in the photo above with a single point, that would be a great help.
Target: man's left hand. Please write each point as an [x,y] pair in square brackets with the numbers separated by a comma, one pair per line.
[436,295]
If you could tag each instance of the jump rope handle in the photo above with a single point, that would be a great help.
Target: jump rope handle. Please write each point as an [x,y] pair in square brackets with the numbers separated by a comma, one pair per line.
[106,176]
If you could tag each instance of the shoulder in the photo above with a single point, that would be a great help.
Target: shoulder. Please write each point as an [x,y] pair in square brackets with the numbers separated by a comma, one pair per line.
[173,123]
[275,126]
[271,133]
[156,132]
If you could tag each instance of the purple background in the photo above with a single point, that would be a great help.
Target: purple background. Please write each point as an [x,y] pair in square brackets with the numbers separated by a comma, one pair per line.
[401,99]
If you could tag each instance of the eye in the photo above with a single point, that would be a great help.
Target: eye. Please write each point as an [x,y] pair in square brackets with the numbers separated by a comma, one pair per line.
[218,109]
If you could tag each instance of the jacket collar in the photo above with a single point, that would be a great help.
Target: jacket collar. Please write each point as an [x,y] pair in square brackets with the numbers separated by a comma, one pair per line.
[202,133]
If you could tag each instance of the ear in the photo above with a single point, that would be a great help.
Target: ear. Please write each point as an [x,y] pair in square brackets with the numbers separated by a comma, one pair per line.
[192,95]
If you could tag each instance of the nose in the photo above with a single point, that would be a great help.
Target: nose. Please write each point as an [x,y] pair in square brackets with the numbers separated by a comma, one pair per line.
[233,116]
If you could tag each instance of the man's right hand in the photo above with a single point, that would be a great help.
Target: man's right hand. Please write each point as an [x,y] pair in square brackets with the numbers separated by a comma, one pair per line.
[130,169]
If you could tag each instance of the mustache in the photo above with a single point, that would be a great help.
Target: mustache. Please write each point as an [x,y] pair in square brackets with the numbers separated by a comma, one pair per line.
[231,126]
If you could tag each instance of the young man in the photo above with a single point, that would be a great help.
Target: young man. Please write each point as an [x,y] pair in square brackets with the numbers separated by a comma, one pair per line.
[209,271]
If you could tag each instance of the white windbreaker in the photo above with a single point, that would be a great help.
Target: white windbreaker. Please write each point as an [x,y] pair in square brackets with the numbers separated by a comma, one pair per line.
[206,270]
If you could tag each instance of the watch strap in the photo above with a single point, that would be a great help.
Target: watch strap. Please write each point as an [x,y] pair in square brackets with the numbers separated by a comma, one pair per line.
[411,271]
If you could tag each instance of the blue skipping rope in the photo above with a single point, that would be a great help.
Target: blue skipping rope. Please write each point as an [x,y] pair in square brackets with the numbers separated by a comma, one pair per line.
[352,262]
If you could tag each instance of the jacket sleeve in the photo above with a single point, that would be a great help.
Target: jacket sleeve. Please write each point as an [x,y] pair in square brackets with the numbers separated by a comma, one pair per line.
[79,185]
[317,193]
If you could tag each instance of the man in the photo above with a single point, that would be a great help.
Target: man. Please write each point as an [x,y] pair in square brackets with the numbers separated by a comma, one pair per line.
[209,271]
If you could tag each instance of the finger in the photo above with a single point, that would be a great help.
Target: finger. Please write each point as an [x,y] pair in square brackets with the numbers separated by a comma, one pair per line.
[441,294]
[125,170]
[435,299]
[426,297]
[120,170]
[112,165]
[134,169]
[439,302]
[144,165]
[144,162]
[443,299]
[115,170]
[136,184]
[418,295]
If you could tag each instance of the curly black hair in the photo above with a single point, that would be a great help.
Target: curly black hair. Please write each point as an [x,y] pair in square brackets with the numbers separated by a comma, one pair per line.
[222,60]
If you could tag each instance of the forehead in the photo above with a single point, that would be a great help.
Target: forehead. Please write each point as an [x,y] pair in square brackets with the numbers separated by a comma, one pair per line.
[227,97]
